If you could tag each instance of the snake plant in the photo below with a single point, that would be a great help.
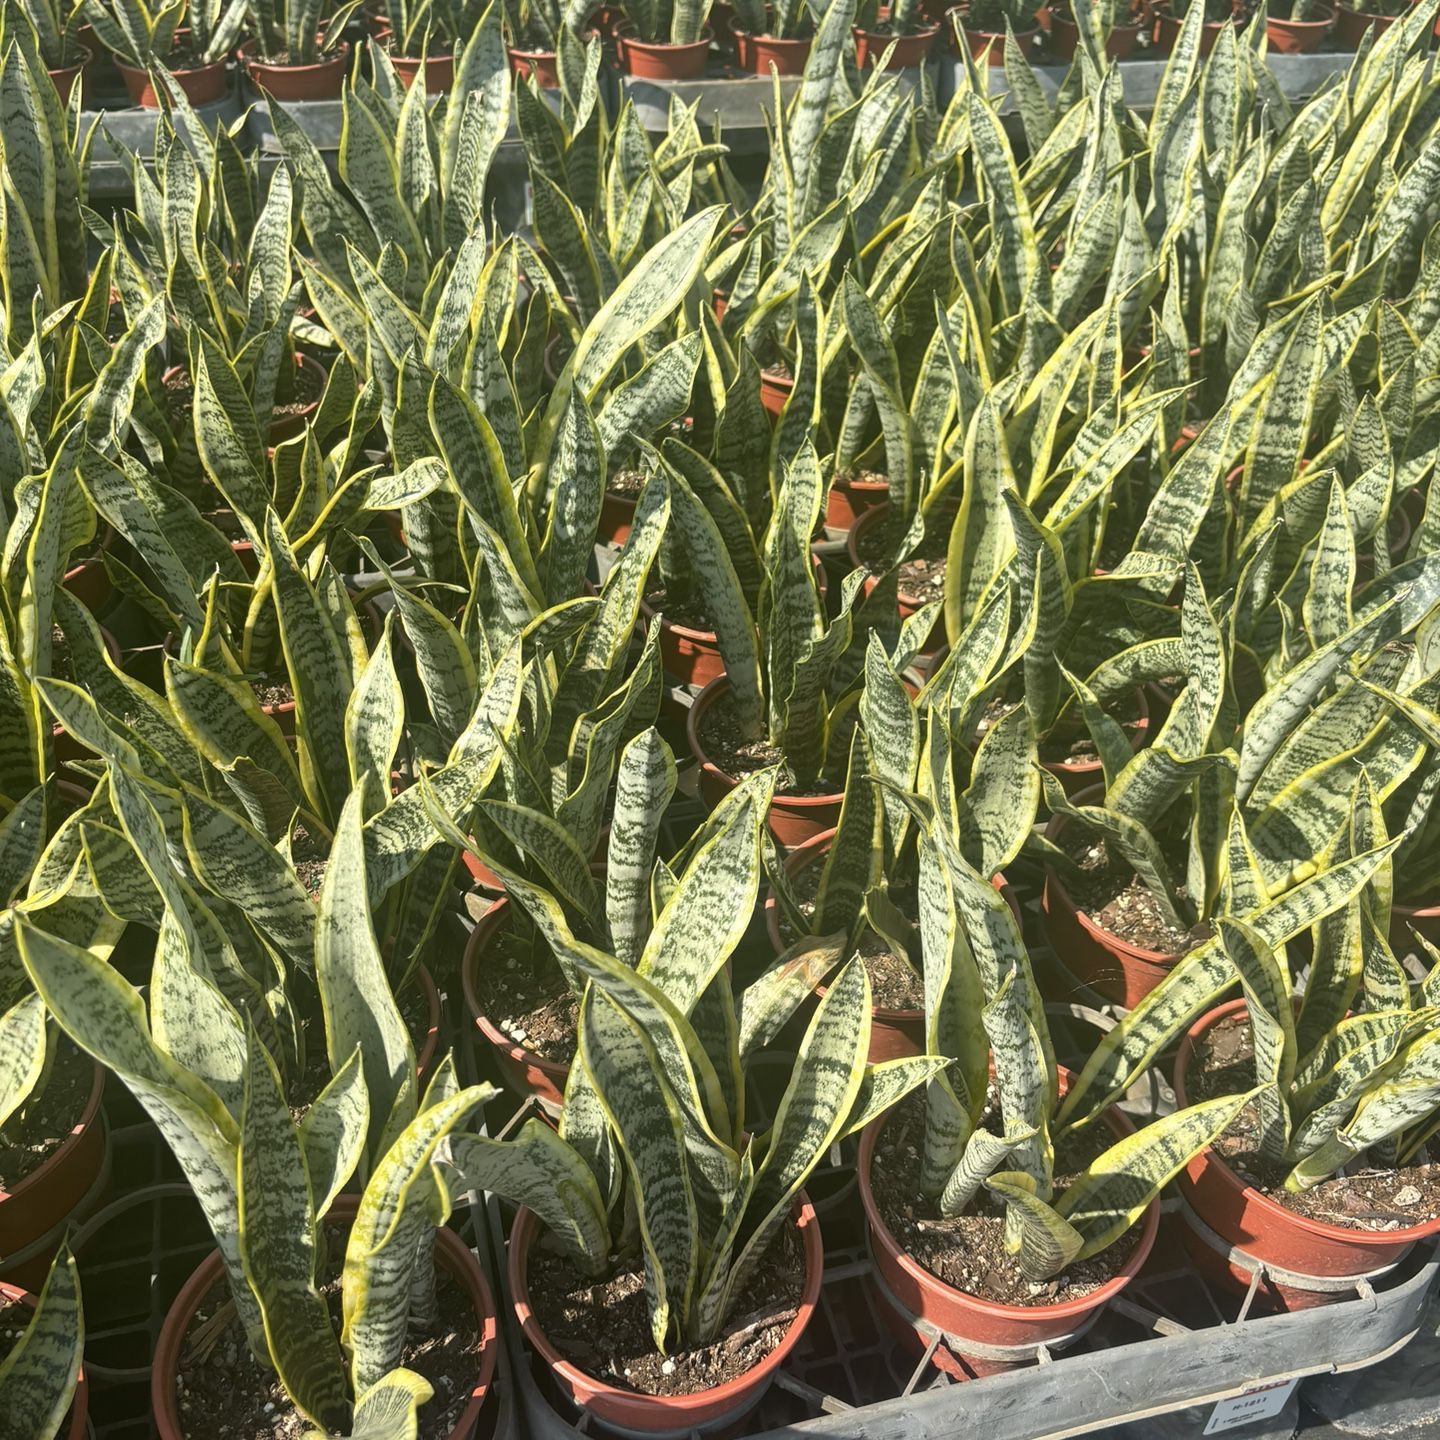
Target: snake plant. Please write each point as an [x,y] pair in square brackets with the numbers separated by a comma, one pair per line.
[39,1374]
[148,38]
[297,32]
[788,20]
[55,24]
[654,1113]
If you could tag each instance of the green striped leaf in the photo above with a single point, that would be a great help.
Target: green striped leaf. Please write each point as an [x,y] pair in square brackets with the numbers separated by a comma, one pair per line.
[387,1410]
[333,1133]
[888,1082]
[539,1169]
[40,1372]
[791,978]
[630,1083]
[375,722]
[355,995]
[999,804]
[644,783]
[22,1053]
[277,1248]
[892,728]
[853,862]
[1116,1188]
[402,1204]
[1042,1241]
[984,1154]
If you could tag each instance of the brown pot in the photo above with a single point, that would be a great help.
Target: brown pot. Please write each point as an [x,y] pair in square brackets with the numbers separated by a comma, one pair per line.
[324,80]
[617,516]
[287,427]
[439,71]
[793,819]
[1248,1222]
[64,78]
[911,51]
[848,500]
[89,582]
[1424,918]
[201,85]
[1077,775]
[1167,32]
[959,1317]
[544,65]
[40,1203]
[983,44]
[664,1414]
[757,53]
[522,1069]
[775,390]
[451,1255]
[1064,39]
[647,60]
[907,604]
[1110,966]
[1297,37]
[78,1425]
[1351,26]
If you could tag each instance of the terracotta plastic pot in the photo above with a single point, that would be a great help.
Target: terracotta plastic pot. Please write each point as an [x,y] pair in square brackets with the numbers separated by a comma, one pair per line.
[293,424]
[910,51]
[439,71]
[893,1033]
[983,44]
[985,1323]
[524,1071]
[64,78]
[425,1054]
[907,604]
[1424,918]
[645,60]
[664,1414]
[544,65]
[848,500]
[49,1193]
[1248,1222]
[201,84]
[1351,25]
[1297,37]
[757,53]
[451,1255]
[775,390]
[1065,38]
[1110,966]
[793,819]
[89,582]
[1077,775]
[617,516]
[77,1426]
[1167,32]
[322,80]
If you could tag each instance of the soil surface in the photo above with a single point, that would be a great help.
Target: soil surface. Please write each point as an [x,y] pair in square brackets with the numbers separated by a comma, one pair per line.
[1364,1198]
[225,1393]
[894,982]
[967,1251]
[270,692]
[1120,902]
[922,576]
[41,1127]
[627,482]
[604,1327]
[522,991]
[1069,742]
[310,859]
[305,387]
[726,747]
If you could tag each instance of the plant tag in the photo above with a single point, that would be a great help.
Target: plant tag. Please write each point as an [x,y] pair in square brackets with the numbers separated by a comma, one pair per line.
[1260,1403]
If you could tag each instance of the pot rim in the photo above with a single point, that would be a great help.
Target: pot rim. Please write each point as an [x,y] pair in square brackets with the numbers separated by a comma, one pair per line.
[248,56]
[1277,1213]
[484,930]
[78,1131]
[718,1397]
[1304,26]
[868,520]
[1138,742]
[1108,938]
[1065,1309]
[623,32]
[87,55]
[463,1266]
[699,705]
[787,41]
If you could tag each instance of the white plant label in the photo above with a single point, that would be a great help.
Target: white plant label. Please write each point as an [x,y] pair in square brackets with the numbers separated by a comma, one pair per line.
[1260,1403]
